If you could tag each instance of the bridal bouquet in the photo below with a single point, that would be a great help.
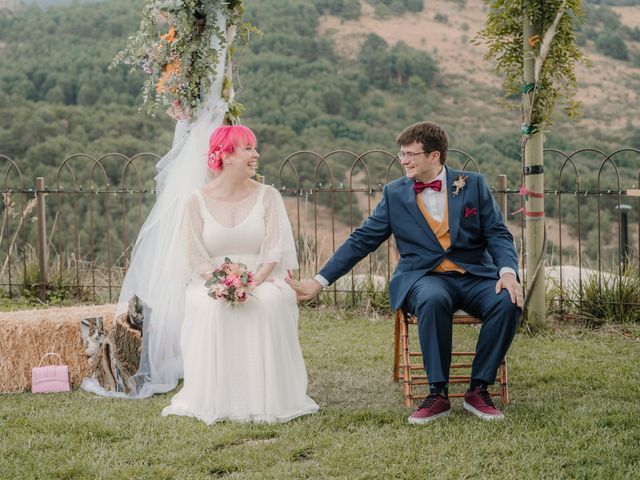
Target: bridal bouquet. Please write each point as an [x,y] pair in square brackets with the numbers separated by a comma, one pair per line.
[173,48]
[231,282]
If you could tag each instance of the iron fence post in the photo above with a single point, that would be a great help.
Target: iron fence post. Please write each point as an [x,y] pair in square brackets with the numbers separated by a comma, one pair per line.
[625,247]
[42,238]
[502,194]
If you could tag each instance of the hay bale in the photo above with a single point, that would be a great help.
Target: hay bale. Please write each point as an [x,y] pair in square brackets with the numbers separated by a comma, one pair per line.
[119,356]
[25,336]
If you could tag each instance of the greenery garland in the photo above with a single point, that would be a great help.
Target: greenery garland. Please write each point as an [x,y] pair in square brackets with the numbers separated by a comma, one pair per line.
[555,51]
[173,47]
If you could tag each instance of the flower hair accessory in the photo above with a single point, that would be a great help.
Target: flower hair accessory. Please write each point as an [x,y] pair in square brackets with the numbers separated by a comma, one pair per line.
[459,184]
[214,160]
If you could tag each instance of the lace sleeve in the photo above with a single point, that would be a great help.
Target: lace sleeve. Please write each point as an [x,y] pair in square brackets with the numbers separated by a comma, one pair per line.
[198,256]
[278,245]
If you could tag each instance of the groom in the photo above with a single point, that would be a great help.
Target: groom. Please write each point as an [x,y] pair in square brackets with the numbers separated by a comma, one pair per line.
[455,253]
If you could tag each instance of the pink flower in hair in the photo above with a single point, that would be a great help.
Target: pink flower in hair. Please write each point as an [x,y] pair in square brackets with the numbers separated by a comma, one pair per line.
[225,139]
[215,157]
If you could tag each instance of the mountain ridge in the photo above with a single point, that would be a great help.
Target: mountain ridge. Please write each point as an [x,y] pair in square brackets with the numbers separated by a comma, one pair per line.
[445,30]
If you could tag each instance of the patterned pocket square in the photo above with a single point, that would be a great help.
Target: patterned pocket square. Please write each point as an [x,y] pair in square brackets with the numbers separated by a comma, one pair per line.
[470,211]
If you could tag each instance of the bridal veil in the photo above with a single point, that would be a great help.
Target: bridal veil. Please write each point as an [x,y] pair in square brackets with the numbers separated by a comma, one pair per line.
[159,267]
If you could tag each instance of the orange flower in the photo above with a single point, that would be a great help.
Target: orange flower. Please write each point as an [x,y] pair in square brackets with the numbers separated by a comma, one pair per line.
[171,36]
[533,41]
[168,71]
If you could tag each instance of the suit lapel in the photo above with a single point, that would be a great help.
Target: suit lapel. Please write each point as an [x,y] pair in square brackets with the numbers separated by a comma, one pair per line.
[455,203]
[409,199]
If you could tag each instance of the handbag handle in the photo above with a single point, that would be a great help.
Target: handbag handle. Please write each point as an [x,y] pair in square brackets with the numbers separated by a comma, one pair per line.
[50,353]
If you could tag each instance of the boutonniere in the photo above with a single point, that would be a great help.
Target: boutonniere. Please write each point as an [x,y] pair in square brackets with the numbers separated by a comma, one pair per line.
[459,183]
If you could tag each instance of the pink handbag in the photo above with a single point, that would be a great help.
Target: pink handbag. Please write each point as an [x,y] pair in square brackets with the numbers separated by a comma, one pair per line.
[51,378]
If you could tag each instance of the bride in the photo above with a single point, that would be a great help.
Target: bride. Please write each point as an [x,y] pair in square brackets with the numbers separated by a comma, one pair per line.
[240,362]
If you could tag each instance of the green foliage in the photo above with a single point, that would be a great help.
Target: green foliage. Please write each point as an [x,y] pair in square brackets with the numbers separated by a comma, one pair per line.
[173,46]
[345,9]
[386,68]
[607,298]
[374,58]
[41,135]
[385,8]
[70,53]
[612,45]
[632,33]
[503,34]
[70,281]
[617,3]
[603,17]
[604,28]
[57,3]
[441,18]
[57,98]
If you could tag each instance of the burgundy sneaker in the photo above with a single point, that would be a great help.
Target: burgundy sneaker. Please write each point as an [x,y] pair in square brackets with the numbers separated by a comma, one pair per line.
[434,406]
[478,401]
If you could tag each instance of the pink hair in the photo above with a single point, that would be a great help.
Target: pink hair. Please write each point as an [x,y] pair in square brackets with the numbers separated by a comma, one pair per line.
[224,140]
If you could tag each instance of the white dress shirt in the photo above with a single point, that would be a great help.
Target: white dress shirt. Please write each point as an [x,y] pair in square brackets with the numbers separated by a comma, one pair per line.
[434,203]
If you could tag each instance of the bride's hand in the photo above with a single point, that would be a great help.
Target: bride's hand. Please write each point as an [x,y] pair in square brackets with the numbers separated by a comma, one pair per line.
[262,275]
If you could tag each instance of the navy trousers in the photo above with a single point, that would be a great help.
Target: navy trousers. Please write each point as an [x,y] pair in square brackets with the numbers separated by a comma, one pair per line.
[436,296]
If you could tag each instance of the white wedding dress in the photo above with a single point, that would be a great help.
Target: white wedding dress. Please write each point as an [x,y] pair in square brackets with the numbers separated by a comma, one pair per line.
[242,362]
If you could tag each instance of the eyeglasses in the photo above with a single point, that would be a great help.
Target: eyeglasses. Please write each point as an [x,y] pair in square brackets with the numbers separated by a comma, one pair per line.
[409,155]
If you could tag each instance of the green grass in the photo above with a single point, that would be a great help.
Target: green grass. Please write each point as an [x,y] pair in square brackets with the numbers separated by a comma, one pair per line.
[575,413]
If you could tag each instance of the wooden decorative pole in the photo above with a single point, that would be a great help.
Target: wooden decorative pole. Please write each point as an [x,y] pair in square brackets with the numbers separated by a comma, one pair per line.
[534,45]
[533,173]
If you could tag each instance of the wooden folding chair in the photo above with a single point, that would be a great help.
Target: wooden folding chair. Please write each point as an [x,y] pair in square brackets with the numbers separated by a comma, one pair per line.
[413,374]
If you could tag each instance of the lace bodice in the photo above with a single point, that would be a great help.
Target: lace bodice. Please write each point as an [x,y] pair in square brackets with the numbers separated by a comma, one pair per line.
[231,214]
[257,226]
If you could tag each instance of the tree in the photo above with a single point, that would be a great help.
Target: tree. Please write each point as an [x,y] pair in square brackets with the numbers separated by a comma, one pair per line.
[406,62]
[612,45]
[535,46]
[374,58]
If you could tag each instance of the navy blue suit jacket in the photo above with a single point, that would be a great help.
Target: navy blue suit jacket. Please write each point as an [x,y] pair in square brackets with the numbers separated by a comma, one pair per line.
[480,241]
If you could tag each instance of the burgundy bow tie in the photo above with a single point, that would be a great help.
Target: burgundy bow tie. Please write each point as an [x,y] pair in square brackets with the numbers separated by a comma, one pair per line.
[436,185]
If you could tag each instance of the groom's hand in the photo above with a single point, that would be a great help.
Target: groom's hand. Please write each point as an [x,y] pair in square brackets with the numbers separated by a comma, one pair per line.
[305,290]
[510,282]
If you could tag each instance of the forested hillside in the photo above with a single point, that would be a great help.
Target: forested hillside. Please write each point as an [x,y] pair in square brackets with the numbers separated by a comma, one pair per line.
[57,95]
[324,75]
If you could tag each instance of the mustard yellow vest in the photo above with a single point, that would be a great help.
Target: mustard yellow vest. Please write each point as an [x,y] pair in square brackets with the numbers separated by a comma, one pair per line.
[441,231]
